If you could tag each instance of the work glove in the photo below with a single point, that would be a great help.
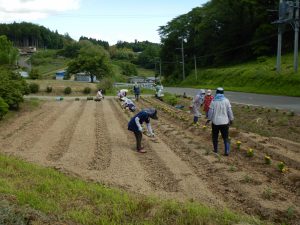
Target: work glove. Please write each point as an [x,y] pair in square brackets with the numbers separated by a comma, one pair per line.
[230,122]
[207,122]
[140,128]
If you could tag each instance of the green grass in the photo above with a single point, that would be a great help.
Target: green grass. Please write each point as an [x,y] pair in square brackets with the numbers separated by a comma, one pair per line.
[47,63]
[256,77]
[72,199]
[27,105]
[58,87]
[145,72]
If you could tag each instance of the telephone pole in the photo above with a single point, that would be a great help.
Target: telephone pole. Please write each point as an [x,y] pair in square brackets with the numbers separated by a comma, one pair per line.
[296,22]
[182,55]
[279,41]
[160,70]
[195,61]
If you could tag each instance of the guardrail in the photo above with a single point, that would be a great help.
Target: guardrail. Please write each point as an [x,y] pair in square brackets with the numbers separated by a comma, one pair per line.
[130,85]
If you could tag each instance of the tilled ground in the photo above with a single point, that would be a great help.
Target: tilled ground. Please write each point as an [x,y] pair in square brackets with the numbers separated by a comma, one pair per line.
[90,139]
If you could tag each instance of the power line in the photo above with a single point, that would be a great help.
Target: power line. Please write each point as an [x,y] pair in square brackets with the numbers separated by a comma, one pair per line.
[238,47]
[227,50]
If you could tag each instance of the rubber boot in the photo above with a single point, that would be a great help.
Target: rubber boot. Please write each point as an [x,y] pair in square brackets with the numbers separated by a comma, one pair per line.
[227,147]
[215,144]
[195,119]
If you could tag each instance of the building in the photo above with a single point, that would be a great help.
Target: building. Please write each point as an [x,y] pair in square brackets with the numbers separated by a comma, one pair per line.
[59,75]
[24,74]
[85,78]
[27,50]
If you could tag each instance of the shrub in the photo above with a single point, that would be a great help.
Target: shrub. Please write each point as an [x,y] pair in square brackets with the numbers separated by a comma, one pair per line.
[87,90]
[170,99]
[12,88]
[105,84]
[49,89]
[68,90]
[34,74]
[3,108]
[34,88]
[128,69]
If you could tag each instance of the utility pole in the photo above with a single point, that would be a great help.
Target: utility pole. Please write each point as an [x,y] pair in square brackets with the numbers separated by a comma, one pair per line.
[296,36]
[160,70]
[279,41]
[195,60]
[182,55]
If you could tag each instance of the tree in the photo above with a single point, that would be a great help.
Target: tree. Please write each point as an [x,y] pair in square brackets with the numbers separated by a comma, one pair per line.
[8,54]
[221,32]
[147,58]
[12,88]
[92,60]
[128,69]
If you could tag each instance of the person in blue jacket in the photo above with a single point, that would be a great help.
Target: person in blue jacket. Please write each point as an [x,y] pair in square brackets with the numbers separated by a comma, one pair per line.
[135,125]
[137,91]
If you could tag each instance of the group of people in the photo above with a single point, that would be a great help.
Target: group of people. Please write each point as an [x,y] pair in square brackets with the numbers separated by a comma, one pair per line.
[217,111]
[201,99]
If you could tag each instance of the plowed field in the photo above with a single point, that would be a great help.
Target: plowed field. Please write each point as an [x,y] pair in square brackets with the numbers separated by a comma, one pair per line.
[90,140]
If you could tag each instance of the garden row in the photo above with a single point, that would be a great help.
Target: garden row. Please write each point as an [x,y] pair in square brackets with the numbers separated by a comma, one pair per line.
[201,129]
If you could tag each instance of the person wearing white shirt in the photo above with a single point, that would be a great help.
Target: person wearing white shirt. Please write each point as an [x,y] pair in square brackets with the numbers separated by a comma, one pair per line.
[221,116]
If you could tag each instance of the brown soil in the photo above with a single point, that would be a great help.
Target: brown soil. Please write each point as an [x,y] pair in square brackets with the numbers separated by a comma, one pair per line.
[90,139]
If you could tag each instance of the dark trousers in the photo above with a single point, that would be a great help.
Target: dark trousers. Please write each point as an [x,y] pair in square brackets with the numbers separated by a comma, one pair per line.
[137,96]
[138,136]
[215,134]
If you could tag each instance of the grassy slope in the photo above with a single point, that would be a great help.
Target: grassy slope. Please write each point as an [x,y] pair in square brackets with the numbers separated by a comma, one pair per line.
[257,77]
[53,193]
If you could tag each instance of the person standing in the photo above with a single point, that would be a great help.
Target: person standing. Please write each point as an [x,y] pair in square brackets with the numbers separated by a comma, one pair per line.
[135,126]
[197,103]
[207,100]
[137,91]
[221,116]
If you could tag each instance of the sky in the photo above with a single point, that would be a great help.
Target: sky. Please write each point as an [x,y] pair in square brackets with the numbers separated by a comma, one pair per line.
[112,20]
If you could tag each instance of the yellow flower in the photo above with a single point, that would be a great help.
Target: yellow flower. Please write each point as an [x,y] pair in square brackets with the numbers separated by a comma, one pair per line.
[267,159]
[250,152]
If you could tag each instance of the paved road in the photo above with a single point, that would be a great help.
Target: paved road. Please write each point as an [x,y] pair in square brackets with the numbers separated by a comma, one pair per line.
[272,101]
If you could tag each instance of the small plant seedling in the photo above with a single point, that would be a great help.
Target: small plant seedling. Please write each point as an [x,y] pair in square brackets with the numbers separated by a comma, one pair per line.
[267,194]
[290,212]
[250,152]
[204,127]
[281,167]
[238,144]
[232,168]
[247,179]
[268,160]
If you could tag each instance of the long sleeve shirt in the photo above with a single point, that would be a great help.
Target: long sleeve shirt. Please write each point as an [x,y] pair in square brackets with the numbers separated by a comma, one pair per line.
[220,112]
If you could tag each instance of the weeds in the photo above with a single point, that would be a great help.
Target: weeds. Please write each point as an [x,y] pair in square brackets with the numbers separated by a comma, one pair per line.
[247,179]
[267,193]
[232,168]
